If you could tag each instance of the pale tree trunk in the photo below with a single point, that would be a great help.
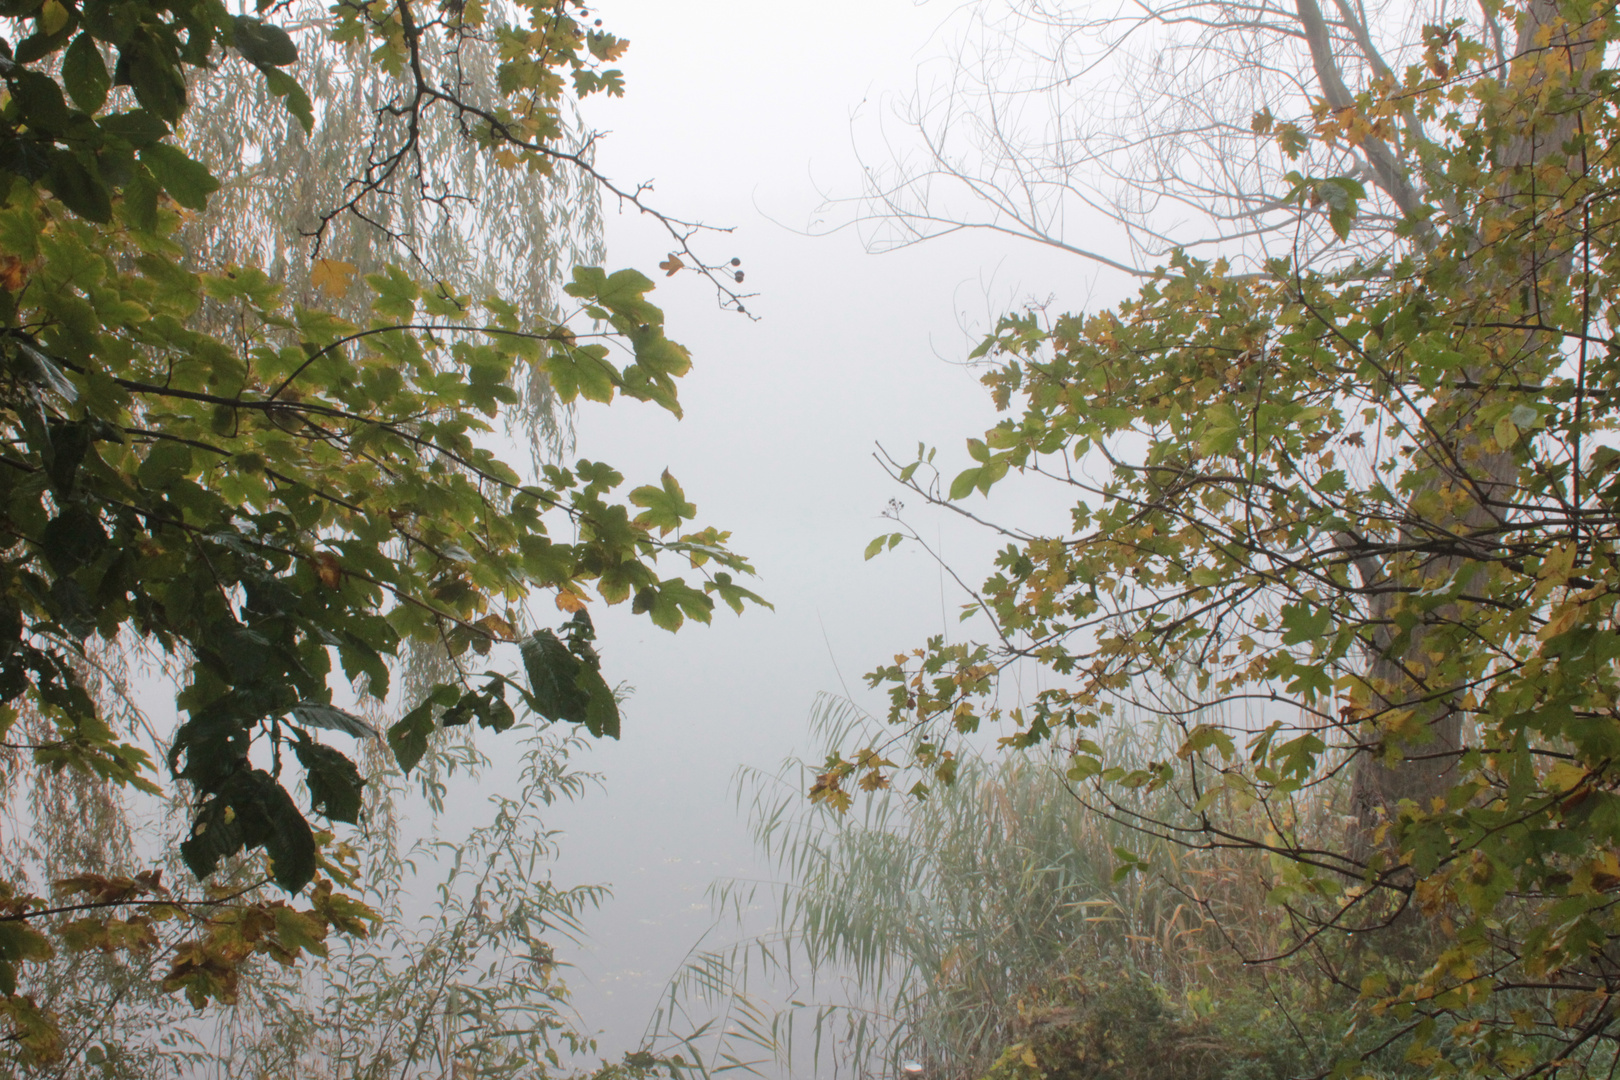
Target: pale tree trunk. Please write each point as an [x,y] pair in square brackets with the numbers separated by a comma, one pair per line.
[1463,467]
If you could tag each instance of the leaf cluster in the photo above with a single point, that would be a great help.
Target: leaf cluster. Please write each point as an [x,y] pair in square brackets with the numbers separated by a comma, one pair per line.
[1375,505]
[272,494]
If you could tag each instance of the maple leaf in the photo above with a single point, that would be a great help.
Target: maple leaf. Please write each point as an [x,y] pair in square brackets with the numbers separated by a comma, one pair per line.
[331,276]
[670,265]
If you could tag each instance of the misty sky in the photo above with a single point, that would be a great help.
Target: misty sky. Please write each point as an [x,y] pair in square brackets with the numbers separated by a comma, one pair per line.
[744,115]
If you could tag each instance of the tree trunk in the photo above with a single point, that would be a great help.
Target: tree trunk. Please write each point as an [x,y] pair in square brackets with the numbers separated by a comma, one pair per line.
[1462,463]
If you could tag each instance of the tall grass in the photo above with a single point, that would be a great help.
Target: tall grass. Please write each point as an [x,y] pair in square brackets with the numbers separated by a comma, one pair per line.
[946,929]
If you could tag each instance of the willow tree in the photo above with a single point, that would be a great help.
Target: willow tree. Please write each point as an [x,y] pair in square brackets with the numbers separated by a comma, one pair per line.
[285,195]
[1357,489]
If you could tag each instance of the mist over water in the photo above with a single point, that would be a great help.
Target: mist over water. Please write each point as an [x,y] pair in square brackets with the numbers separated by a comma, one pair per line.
[742,113]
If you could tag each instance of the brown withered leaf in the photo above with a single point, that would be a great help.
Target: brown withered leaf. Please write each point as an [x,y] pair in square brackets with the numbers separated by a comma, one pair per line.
[328,569]
[13,273]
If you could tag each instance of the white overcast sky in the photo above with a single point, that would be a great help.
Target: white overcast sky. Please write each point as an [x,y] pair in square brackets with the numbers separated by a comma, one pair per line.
[743,113]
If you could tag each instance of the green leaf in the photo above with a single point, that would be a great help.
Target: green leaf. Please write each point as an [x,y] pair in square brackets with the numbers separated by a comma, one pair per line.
[966,481]
[79,188]
[263,43]
[19,942]
[297,930]
[623,293]
[1083,767]
[1304,622]
[140,203]
[159,85]
[165,463]
[602,710]
[290,842]
[45,371]
[40,99]
[1342,194]
[112,21]
[321,715]
[582,371]
[284,86]
[1506,432]
[85,74]
[1203,737]
[73,538]
[735,595]
[566,681]
[553,674]
[250,810]
[666,506]
[137,127]
[335,787]
[187,181]
[409,736]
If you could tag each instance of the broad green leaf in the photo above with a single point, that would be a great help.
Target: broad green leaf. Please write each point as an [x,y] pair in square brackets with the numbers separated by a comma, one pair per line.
[554,673]
[321,715]
[335,787]
[187,181]
[78,187]
[665,506]
[85,74]
[262,43]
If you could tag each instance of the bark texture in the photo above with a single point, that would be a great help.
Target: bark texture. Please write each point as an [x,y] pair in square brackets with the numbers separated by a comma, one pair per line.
[1461,470]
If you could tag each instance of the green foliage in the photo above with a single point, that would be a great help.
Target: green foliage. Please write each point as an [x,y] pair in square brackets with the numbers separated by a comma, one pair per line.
[270,492]
[938,924]
[986,932]
[1376,499]
[1118,1029]
[470,984]
[455,973]
[1102,1022]
[567,679]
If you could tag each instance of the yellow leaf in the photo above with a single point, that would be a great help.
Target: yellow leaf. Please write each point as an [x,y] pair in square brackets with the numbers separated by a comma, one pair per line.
[497,627]
[332,276]
[1564,619]
[53,15]
[1564,776]
[567,600]
[1028,1057]
[1506,433]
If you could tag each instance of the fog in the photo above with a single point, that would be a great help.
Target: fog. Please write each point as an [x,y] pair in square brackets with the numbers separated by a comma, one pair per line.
[744,115]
